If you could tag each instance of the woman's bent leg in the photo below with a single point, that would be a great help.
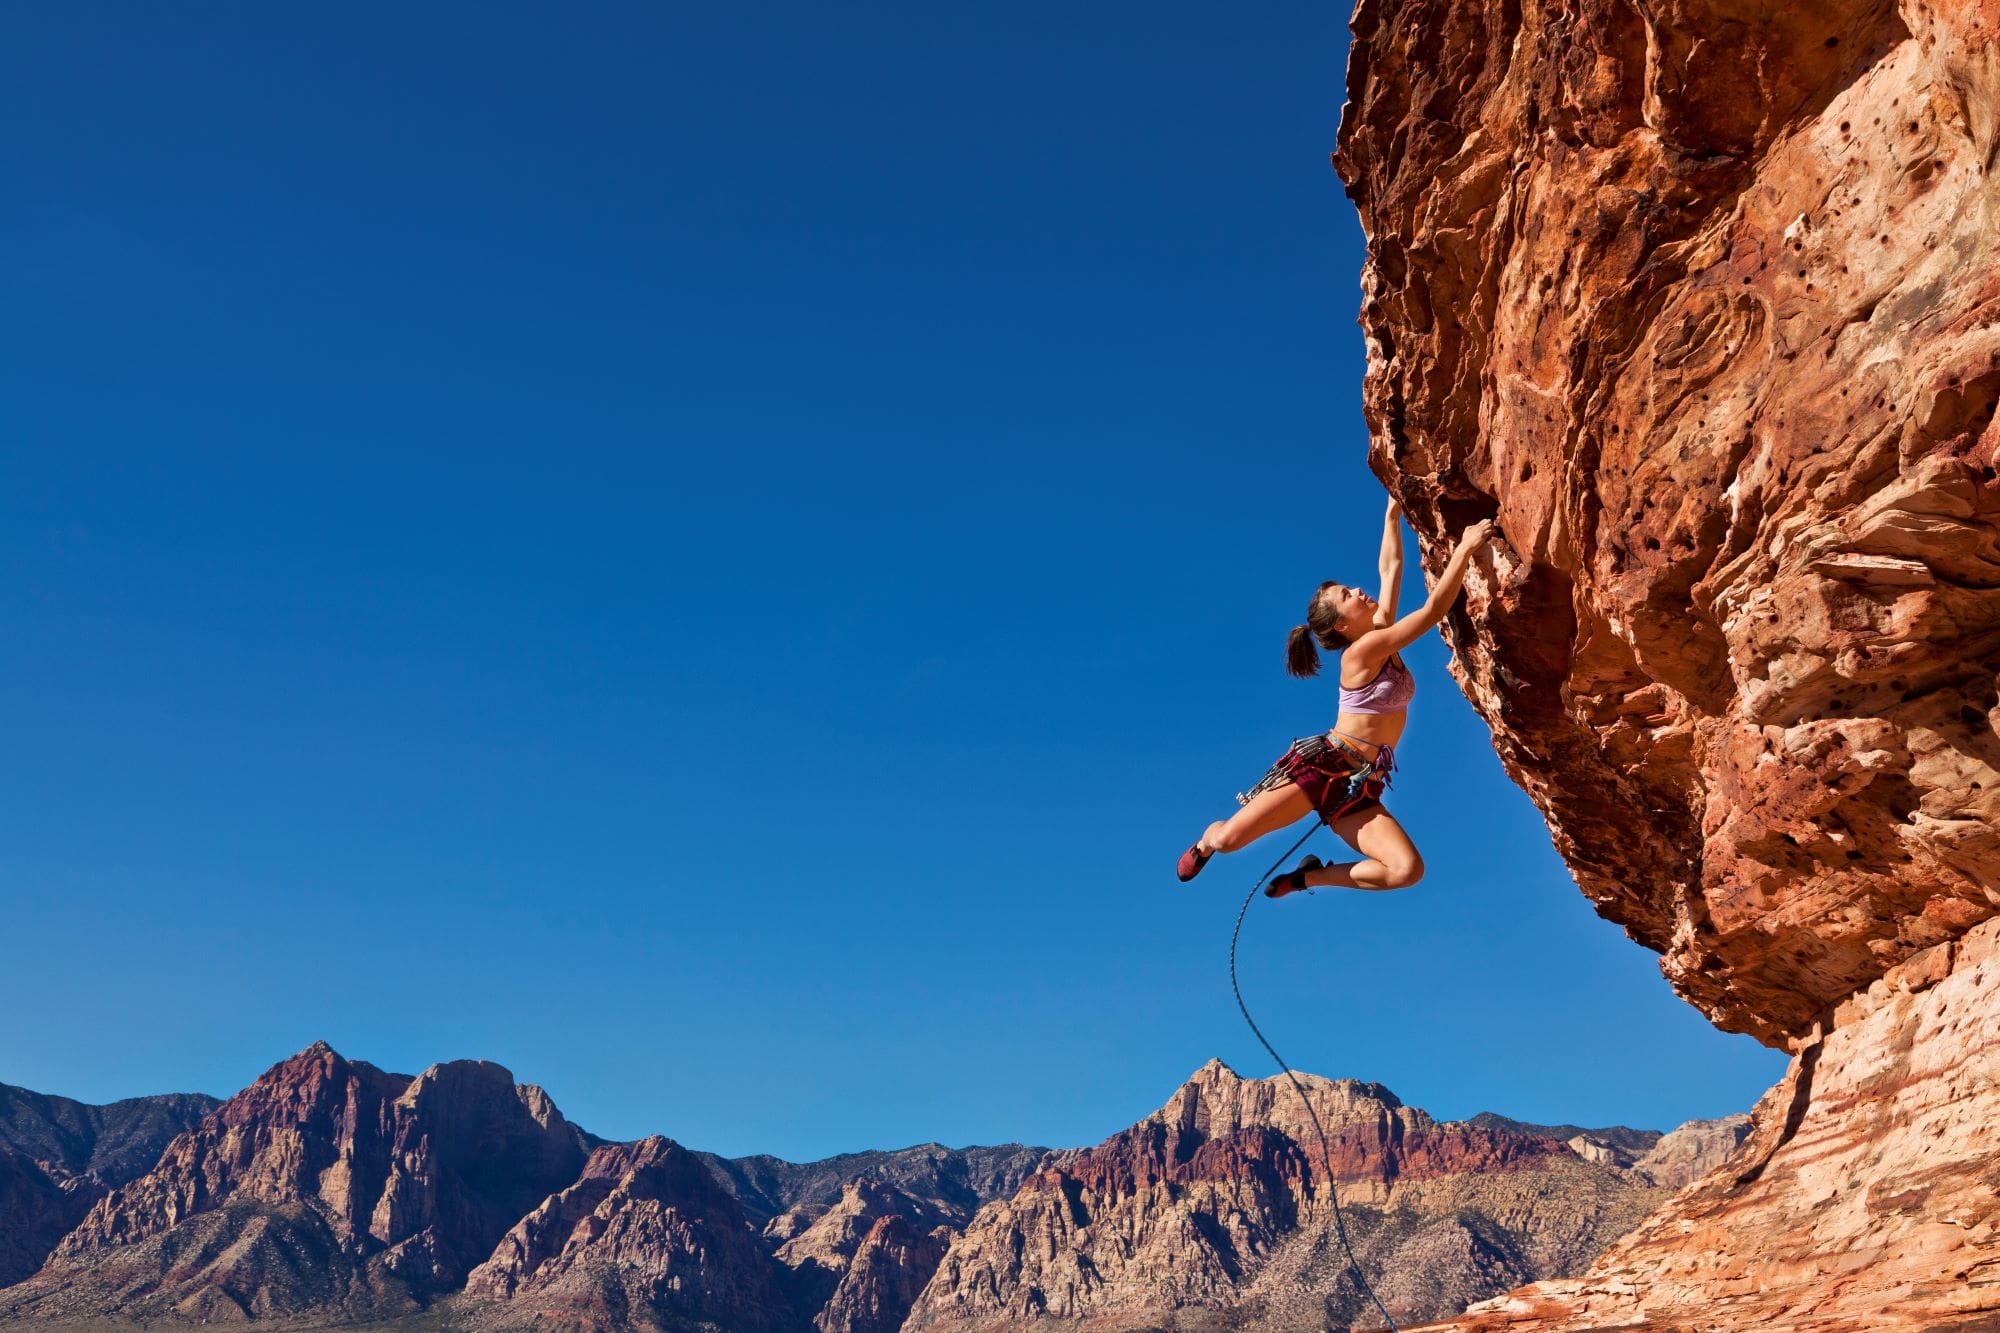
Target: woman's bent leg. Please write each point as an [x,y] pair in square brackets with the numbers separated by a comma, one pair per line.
[1266,812]
[1391,860]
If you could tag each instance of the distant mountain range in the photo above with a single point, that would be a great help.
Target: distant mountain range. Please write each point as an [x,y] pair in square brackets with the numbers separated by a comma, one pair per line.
[330,1192]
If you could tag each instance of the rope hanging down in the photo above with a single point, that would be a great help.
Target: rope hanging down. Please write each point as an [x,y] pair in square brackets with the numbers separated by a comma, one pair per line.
[1326,1154]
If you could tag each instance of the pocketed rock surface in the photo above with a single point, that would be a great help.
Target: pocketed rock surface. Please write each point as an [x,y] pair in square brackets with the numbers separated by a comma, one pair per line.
[1701,302]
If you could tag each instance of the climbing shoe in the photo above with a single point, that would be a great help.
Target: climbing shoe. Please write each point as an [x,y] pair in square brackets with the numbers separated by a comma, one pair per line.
[1292,881]
[1192,860]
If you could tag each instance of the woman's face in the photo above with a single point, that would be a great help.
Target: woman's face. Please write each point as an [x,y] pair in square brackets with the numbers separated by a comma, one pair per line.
[1352,606]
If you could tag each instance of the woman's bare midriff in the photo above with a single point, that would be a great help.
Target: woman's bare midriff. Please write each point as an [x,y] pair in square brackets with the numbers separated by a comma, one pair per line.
[1370,731]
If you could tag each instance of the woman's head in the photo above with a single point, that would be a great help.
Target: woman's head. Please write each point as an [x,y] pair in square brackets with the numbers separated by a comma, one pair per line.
[1335,617]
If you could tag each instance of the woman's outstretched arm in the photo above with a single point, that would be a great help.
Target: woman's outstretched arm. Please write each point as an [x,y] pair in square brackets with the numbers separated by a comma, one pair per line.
[1392,565]
[1371,650]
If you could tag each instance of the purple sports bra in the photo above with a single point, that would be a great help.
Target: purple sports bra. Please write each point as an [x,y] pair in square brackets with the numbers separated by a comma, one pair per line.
[1389,692]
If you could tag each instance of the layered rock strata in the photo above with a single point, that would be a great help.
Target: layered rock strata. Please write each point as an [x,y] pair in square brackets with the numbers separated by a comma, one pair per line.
[1702,303]
[1216,1208]
[1866,1198]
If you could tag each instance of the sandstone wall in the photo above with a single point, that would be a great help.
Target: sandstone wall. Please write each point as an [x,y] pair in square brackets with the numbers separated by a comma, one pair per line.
[1866,1200]
[1699,300]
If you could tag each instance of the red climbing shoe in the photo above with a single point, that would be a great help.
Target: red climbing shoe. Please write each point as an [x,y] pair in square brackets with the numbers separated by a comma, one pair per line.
[1192,860]
[1292,881]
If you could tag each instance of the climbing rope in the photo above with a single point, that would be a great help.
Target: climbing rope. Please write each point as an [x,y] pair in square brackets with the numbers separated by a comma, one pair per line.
[1325,1153]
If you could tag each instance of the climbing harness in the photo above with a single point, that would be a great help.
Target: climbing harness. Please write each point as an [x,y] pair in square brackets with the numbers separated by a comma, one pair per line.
[1335,774]
[1326,1153]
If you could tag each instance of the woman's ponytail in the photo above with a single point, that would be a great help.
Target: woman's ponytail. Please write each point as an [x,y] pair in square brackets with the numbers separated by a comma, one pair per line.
[1301,658]
[1321,630]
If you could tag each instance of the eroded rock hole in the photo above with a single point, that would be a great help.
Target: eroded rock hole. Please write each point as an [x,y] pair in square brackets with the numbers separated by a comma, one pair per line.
[1963,412]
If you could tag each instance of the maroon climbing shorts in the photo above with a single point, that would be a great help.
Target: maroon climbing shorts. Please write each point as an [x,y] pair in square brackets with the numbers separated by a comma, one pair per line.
[1337,778]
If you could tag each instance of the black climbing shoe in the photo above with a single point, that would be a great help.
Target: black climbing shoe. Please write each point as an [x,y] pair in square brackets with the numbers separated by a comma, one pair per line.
[1292,881]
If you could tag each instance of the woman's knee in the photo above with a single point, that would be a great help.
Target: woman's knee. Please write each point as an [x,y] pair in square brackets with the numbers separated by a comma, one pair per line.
[1403,871]
[1227,838]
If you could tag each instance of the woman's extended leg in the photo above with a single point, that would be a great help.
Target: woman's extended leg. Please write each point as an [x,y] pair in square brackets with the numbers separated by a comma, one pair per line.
[1391,858]
[1266,812]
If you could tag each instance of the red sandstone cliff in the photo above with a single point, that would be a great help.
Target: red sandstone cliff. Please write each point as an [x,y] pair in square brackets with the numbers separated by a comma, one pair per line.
[1702,302]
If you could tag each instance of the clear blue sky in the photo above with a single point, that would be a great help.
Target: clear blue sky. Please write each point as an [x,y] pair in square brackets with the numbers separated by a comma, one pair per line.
[715,556]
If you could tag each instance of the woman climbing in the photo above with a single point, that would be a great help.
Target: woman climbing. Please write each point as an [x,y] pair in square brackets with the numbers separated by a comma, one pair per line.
[1340,776]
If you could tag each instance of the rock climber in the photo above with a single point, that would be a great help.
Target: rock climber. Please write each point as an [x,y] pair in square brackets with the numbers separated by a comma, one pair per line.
[1340,775]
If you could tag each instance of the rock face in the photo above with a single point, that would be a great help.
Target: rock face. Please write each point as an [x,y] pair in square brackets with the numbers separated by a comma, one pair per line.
[646,1238]
[820,1243]
[1214,1208]
[325,1184]
[1692,1151]
[1698,301]
[1864,1201]
[889,1270]
[858,1265]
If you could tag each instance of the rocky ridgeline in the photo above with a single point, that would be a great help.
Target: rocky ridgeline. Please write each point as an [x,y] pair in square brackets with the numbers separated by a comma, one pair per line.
[946,1185]
[325,1185]
[58,1157]
[1698,302]
[1219,1205]
[330,1191]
